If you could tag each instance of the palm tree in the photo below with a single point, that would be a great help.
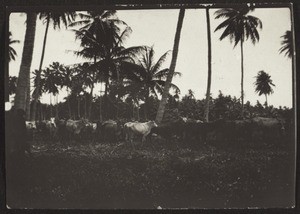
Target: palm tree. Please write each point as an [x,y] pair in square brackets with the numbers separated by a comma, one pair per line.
[206,111]
[56,17]
[51,83]
[163,102]
[65,75]
[145,76]
[264,84]
[11,51]
[287,44]
[24,74]
[239,27]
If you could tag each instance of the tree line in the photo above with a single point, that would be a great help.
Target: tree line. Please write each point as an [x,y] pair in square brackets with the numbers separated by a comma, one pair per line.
[127,73]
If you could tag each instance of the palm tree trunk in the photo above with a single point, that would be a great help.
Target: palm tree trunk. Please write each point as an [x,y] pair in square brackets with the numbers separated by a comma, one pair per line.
[85,110]
[163,102]
[50,105]
[36,95]
[266,100]
[78,107]
[28,99]
[69,106]
[106,99]
[242,78]
[91,102]
[24,73]
[56,113]
[206,112]
[146,105]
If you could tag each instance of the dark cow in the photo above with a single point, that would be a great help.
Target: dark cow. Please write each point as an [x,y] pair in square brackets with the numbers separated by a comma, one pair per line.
[170,130]
[110,130]
[74,128]
[47,129]
[268,129]
[135,128]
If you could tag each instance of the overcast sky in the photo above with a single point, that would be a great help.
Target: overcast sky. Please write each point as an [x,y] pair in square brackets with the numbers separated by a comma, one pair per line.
[157,27]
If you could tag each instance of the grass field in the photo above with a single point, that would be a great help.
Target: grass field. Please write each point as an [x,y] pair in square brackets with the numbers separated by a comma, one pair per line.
[95,175]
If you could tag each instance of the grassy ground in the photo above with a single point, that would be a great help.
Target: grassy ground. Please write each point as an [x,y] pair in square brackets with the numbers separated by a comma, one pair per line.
[95,175]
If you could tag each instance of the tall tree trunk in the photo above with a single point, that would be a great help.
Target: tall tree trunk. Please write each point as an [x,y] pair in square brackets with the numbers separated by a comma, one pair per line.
[91,102]
[68,101]
[28,99]
[51,115]
[20,99]
[78,107]
[242,78]
[106,100]
[163,102]
[85,110]
[36,95]
[266,100]
[206,111]
[100,103]
[146,105]
[56,109]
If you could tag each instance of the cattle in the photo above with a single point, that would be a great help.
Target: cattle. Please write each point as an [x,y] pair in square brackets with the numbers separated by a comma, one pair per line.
[169,130]
[269,129]
[109,130]
[47,129]
[74,128]
[31,129]
[135,128]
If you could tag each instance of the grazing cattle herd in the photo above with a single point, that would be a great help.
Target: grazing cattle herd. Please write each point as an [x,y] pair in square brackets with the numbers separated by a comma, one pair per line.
[258,129]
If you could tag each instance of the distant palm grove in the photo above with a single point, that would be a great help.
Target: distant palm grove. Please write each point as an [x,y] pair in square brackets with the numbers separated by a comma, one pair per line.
[134,86]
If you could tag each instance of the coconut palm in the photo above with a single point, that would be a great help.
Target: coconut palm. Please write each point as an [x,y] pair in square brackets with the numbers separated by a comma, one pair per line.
[287,44]
[146,77]
[65,75]
[263,84]
[11,51]
[57,18]
[206,111]
[24,73]
[163,102]
[239,27]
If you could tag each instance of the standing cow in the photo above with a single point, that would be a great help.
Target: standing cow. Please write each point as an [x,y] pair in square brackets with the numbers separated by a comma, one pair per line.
[110,130]
[135,128]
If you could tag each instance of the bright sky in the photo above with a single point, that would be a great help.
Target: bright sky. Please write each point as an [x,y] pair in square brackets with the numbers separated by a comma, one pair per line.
[157,27]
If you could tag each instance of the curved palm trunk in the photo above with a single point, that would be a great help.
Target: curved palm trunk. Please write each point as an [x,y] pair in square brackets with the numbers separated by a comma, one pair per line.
[164,99]
[36,95]
[206,111]
[20,99]
[242,78]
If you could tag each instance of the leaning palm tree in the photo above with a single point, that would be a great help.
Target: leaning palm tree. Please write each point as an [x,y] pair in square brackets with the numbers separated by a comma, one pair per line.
[239,27]
[287,44]
[56,17]
[165,95]
[24,74]
[11,51]
[263,84]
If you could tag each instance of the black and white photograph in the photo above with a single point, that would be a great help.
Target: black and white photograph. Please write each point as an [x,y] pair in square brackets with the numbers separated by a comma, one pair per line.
[162,107]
